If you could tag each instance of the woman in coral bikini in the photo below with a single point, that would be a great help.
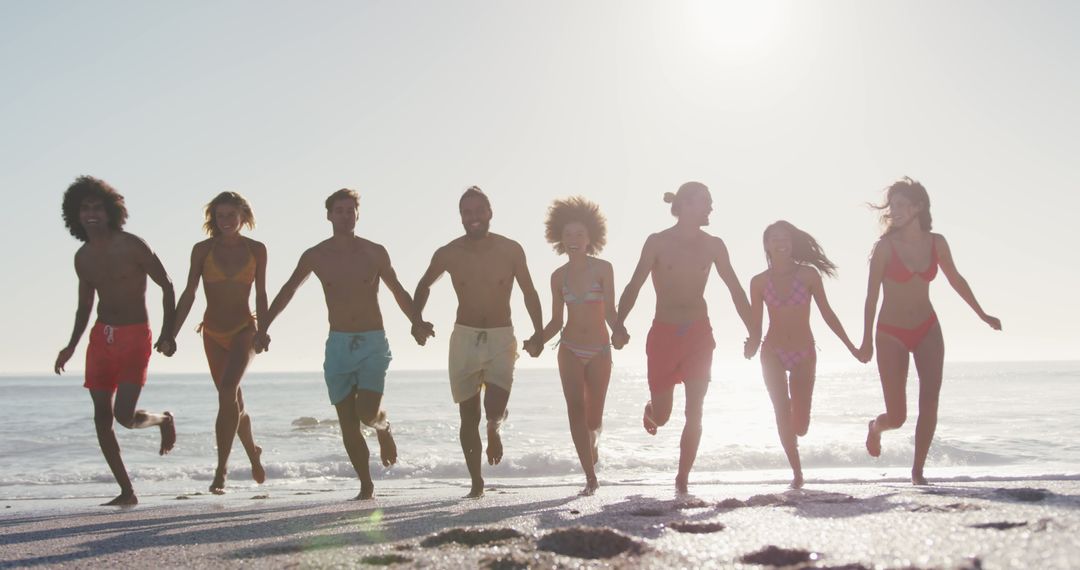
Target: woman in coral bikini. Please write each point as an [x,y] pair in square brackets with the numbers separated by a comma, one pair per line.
[585,285]
[907,323]
[788,358]
[228,264]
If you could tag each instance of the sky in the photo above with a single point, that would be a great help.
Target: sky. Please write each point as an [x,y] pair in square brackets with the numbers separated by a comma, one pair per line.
[801,111]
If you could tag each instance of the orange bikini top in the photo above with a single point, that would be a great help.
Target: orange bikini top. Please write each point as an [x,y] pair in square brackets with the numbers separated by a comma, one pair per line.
[212,273]
[897,271]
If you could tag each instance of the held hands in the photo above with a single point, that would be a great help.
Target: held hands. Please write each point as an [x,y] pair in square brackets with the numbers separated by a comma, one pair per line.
[166,345]
[535,345]
[619,337]
[62,358]
[422,331]
[261,342]
[750,348]
[994,322]
[864,353]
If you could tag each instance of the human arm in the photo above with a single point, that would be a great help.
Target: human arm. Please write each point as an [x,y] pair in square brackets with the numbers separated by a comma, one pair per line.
[532,300]
[82,318]
[738,296]
[261,303]
[959,284]
[557,307]
[423,290]
[817,288]
[873,290]
[611,315]
[166,343]
[753,340]
[619,336]
[187,298]
[303,270]
[401,296]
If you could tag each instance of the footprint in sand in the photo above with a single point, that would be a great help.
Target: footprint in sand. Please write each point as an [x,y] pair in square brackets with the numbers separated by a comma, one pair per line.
[589,543]
[647,512]
[776,556]
[696,527]
[950,508]
[385,559]
[730,504]
[999,525]
[692,503]
[260,497]
[1025,495]
[470,536]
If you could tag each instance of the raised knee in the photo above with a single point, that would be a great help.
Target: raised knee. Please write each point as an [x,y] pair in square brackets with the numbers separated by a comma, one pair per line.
[896,419]
[126,420]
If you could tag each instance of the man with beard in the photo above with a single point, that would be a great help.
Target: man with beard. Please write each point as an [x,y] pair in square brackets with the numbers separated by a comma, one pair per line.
[680,343]
[482,267]
[357,353]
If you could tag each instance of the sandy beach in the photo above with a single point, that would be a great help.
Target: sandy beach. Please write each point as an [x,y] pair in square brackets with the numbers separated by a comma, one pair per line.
[532,523]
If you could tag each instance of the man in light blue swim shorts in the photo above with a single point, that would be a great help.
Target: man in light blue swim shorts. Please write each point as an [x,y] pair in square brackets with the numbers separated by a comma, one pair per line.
[357,353]
[483,267]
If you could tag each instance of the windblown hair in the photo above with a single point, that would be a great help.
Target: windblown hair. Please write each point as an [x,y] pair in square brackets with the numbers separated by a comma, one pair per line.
[684,193]
[473,191]
[90,187]
[804,248]
[232,199]
[915,192]
[341,194]
[582,211]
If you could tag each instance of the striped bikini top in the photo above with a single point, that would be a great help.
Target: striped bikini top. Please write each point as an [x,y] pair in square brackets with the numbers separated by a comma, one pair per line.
[594,294]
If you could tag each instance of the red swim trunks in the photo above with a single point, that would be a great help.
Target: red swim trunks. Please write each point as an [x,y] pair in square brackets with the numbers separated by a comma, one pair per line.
[117,355]
[679,352]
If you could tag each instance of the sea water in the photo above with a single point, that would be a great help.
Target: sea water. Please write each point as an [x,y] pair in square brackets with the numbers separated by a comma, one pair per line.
[996,420]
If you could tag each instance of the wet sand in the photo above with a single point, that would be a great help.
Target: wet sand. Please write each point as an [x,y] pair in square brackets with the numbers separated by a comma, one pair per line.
[534,523]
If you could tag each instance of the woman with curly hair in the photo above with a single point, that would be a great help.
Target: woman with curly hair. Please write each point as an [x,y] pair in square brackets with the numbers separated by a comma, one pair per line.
[585,286]
[907,323]
[788,359]
[228,265]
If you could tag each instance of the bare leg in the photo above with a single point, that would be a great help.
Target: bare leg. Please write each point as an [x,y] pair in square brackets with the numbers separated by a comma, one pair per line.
[247,439]
[372,415]
[776,382]
[892,361]
[355,446]
[110,448]
[127,397]
[691,435]
[929,362]
[572,374]
[227,368]
[658,409]
[471,443]
[597,377]
[495,399]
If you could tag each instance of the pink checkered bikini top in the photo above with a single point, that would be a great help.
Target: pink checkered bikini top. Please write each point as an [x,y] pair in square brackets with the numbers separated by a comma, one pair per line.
[800,294]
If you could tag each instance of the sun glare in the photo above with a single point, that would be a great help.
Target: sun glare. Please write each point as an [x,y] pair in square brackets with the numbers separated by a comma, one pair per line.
[737,30]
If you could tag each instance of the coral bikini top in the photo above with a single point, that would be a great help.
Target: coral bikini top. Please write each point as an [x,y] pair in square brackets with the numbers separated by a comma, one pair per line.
[897,271]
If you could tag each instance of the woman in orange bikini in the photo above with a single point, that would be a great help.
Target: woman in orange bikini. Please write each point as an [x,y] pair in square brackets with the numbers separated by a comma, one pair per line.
[585,285]
[228,264]
[793,278]
[907,323]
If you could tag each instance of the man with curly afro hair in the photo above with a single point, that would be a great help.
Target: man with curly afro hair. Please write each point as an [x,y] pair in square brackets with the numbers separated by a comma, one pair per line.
[113,265]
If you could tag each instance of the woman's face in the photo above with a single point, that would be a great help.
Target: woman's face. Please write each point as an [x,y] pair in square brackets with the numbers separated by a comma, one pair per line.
[228,218]
[778,243]
[575,238]
[902,211]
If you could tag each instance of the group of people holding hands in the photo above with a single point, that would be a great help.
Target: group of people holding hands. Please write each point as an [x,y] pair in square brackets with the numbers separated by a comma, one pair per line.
[483,267]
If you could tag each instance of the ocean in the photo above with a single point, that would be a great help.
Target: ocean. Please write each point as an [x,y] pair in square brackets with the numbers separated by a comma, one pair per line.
[1015,420]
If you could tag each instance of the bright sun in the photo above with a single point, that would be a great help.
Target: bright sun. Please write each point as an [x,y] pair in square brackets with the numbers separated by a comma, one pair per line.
[737,29]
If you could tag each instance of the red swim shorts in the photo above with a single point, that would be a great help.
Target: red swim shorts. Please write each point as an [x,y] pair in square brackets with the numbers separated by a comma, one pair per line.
[117,355]
[677,352]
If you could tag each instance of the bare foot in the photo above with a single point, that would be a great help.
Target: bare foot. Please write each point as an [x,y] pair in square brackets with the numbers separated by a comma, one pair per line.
[682,485]
[495,446]
[797,481]
[257,471]
[477,490]
[217,486]
[367,491]
[168,434]
[647,421]
[387,447]
[590,488]
[919,480]
[126,498]
[873,440]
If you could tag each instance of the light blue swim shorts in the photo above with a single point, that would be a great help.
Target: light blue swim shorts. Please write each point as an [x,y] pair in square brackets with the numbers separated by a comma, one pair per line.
[355,360]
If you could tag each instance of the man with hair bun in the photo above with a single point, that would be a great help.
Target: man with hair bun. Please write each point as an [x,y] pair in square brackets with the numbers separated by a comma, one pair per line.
[680,343]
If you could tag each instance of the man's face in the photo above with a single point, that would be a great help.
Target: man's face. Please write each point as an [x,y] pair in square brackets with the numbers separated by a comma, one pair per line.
[92,214]
[342,215]
[697,208]
[475,217]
